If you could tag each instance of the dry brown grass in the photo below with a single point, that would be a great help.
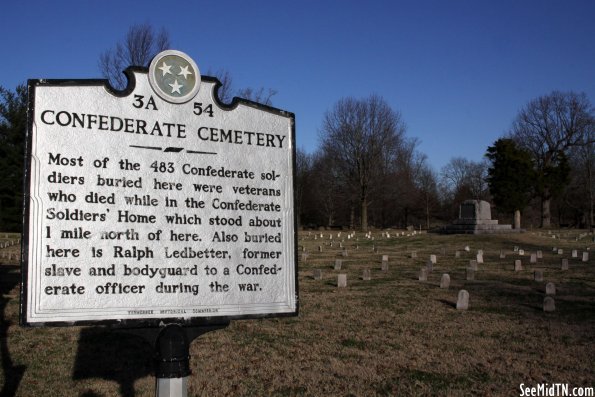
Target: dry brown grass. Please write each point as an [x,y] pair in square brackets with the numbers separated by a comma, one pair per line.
[389,336]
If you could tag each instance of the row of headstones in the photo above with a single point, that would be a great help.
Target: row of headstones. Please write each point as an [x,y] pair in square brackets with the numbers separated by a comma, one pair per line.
[9,255]
[344,252]
[368,235]
[463,296]
[10,243]
[342,281]
[549,304]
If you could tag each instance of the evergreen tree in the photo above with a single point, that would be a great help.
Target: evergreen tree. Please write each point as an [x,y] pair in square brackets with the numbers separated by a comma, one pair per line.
[511,177]
[13,125]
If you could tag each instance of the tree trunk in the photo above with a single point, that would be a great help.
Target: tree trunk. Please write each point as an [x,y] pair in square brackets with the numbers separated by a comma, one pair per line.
[545,209]
[545,213]
[364,214]
[517,219]
[352,217]
[427,213]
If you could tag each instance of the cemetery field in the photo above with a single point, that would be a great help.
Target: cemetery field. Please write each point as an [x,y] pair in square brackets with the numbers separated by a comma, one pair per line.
[392,335]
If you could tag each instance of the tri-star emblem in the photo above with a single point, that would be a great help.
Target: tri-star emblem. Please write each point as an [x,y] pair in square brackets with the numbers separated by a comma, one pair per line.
[174,76]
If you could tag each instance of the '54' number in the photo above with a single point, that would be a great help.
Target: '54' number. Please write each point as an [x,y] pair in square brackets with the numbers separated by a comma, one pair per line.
[199,109]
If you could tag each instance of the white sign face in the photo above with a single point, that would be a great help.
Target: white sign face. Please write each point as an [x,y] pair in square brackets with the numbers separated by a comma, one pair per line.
[158,204]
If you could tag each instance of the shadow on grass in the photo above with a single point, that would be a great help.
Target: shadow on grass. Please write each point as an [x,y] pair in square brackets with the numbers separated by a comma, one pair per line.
[112,355]
[9,279]
[450,304]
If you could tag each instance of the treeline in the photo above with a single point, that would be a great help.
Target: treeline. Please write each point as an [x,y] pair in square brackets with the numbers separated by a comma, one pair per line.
[367,173]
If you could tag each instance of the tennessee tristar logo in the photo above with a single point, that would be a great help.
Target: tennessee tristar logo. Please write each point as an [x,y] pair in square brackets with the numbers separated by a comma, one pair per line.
[174,76]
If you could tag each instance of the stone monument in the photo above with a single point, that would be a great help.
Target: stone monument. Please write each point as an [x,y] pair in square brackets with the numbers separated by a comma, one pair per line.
[475,217]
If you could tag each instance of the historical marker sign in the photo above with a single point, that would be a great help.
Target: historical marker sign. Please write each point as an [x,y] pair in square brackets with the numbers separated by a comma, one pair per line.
[157,202]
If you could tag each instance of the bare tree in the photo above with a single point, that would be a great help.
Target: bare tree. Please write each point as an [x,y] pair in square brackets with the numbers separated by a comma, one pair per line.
[138,48]
[360,135]
[260,95]
[461,177]
[225,91]
[427,185]
[548,126]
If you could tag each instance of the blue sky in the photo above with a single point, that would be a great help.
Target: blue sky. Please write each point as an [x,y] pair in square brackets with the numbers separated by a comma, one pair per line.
[457,71]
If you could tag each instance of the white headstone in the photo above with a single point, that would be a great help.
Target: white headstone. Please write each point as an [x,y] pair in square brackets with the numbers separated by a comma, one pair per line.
[423,274]
[342,280]
[470,274]
[538,275]
[550,289]
[433,258]
[585,256]
[463,300]
[533,258]
[574,253]
[518,266]
[445,281]
[539,254]
[479,257]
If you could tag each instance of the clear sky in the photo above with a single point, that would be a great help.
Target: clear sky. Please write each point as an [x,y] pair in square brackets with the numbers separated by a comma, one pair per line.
[458,71]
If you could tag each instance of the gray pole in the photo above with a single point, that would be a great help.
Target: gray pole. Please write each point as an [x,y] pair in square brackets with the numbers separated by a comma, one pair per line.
[172,361]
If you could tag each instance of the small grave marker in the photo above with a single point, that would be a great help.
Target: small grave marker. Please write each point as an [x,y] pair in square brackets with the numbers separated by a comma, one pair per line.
[502,254]
[338,264]
[463,300]
[585,256]
[564,264]
[518,266]
[479,257]
[414,254]
[342,281]
[433,258]
[550,289]
[538,275]
[317,274]
[470,274]
[457,254]
[539,254]
[445,281]
[549,304]
[366,276]
[423,274]
[473,264]
[574,253]
[533,258]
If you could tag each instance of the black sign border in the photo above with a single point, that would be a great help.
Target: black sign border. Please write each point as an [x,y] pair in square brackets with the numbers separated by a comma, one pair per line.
[141,322]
